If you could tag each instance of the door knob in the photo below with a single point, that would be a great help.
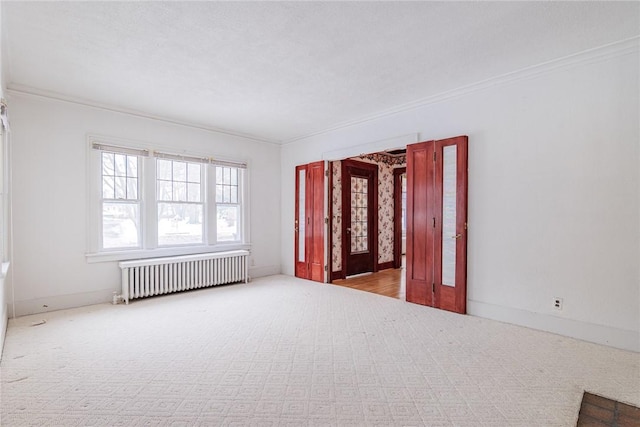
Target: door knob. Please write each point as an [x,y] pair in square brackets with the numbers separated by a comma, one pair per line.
[457,236]
[348,229]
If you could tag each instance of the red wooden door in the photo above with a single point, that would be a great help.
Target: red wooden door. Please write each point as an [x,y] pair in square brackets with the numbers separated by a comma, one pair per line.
[309,222]
[420,229]
[359,217]
[437,223]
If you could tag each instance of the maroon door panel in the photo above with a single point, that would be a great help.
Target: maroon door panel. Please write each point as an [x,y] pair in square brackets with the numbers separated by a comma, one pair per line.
[398,175]
[315,241]
[451,224]
[309,222]
[419,223]
[437,223]
[360,217]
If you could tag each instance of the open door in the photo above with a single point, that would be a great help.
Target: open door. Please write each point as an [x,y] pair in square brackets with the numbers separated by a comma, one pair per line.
[309,222]
[437,223]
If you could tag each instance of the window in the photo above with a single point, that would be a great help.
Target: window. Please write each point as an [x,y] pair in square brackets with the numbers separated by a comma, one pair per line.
[180,203]
[147,200]
[120,201]
[227,204]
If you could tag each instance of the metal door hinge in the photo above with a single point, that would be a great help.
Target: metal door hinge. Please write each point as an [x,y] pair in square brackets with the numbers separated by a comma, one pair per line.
[326,220]
[434,222]
[326,268]
[465,225]
[326,172]
[433,288]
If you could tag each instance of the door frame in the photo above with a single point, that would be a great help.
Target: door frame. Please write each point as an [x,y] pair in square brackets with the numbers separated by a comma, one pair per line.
[346,212]
[397,216]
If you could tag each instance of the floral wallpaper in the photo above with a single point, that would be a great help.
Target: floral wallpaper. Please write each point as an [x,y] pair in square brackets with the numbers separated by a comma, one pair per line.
[336,212]
[384,159]
[386,164]
[385,213]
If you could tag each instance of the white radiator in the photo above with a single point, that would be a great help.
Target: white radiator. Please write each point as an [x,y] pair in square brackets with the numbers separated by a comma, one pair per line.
[156,276]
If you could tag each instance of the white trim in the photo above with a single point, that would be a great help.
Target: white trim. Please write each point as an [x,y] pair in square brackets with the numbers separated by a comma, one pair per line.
[600,334]
[371,147]
[611,50]
[18,89]
[267,270]
[103,296]
[62,302]
[125,255]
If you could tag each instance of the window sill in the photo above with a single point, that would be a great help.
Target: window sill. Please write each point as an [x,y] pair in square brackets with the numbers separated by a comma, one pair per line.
[161,252]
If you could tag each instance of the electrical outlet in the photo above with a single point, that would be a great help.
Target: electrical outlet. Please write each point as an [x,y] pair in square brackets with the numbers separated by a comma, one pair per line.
[557,303]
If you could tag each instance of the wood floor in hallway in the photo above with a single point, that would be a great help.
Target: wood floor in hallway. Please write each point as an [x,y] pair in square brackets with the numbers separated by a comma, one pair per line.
[390,283]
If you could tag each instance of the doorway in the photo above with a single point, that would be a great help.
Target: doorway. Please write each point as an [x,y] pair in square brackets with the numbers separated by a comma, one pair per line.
[434,214]
[359,217]
[400,215]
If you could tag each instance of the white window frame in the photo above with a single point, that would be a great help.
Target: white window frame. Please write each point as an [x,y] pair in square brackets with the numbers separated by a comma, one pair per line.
[203,198]
[138,201]
[149,203]
[214,205]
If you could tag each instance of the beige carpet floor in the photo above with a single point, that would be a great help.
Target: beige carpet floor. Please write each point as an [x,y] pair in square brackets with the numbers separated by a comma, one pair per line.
[282,351]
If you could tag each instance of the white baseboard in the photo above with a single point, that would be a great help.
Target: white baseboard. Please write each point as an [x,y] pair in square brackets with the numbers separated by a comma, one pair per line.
[4,304]
[268,270]
[599,334]
[62,302]
[4,321]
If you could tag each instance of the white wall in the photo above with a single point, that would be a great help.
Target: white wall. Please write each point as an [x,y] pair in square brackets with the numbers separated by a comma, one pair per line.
[554,190]
[50,205]
[4,280]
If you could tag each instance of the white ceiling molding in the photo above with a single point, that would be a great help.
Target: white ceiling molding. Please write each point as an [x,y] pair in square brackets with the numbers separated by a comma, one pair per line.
[17,89]
[621,48]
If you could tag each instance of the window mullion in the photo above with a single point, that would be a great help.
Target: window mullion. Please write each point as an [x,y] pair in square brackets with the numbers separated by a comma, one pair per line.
[149,204]
[243,199]
[210,204]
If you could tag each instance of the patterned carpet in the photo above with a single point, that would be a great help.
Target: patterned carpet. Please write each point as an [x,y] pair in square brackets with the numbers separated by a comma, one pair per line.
[282,351]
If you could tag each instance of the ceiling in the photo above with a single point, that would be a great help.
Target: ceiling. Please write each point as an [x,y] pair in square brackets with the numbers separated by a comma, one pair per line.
[279,71]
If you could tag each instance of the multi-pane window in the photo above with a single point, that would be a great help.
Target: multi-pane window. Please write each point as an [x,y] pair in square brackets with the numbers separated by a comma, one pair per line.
[145,199]
[180,202]
[227,204]
[120,201]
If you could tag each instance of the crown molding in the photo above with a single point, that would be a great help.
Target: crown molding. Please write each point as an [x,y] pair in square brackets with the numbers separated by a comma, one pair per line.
[601,53]
[612,50]
[18,89]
